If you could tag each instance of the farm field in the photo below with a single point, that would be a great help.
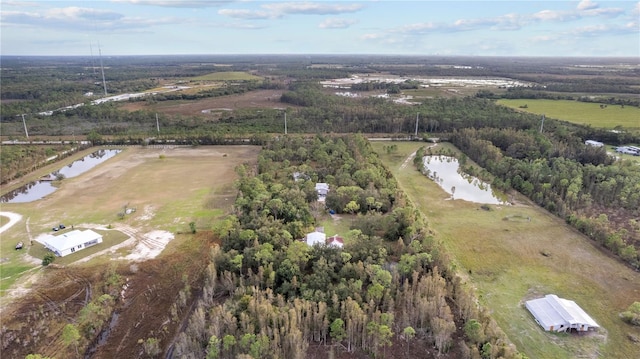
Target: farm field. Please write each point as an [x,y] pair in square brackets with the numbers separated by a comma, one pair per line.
[584,113]
[509,261]
[169,188]
[210,108]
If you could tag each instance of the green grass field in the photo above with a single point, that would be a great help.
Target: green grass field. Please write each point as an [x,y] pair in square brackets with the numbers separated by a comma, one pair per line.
[501,256]
[185,185]
[586,113]
[226,76]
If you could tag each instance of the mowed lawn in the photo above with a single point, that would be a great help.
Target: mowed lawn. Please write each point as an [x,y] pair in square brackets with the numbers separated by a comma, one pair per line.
[168,187]
[509,259]
[583,113]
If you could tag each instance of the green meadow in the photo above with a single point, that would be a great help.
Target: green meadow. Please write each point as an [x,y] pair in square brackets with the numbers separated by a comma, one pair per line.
[584,113]
[517,252]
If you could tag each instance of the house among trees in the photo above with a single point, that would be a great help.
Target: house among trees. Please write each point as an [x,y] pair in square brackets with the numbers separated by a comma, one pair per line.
[299,176]
[560,315]
[335,241]
[71,242]
[316,237]
[322,189]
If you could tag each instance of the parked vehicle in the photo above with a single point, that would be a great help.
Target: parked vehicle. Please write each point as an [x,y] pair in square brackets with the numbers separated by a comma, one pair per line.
[61,226]
[19,246]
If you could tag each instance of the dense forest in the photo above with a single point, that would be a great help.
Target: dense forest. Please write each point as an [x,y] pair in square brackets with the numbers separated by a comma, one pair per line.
[268,294]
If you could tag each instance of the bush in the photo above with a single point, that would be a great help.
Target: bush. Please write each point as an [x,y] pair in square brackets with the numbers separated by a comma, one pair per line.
[152,347]
[48,259]
[632,314]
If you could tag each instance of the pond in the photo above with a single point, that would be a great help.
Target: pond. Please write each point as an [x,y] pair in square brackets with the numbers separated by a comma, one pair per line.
[445,171]
[36,190]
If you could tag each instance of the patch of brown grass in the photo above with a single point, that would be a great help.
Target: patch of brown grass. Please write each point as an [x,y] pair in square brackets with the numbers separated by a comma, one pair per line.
[214,105]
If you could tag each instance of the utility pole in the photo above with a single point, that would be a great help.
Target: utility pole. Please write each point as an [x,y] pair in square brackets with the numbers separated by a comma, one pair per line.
[285,122]
[542,124]
[416,134]
[104,83]
[157,124]
[24,123]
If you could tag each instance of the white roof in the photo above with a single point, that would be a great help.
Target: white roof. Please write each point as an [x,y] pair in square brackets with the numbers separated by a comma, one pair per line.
[321,185]
[316,237]
[71,239]
[554,311]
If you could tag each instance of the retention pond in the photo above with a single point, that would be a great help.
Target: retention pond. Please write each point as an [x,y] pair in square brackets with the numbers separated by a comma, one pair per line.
[36,190]
[445,171]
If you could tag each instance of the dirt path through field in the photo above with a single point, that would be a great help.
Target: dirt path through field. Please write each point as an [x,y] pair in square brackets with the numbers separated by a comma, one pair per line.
[13,219]
[412,156]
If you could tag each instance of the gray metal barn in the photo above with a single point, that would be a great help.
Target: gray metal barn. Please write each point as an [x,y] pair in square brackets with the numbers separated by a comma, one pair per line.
[560,315]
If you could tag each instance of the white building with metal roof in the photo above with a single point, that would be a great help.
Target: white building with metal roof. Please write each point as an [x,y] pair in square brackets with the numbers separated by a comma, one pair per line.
[322,189]
[316,237]
[560,315]
[70,242]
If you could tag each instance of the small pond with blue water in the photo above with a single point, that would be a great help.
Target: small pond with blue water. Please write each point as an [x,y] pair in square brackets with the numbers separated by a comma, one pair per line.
[36,190]
[445,171]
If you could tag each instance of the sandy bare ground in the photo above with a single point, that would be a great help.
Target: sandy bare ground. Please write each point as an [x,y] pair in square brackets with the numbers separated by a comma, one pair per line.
[208,107]
[13,219]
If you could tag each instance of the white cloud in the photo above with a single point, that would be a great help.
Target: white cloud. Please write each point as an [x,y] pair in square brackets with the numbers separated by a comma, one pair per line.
[278,10]
[81,14]
[587,5]
[77,18]
[21,4]
[550,15]
[248,14]
[545,38]
[176,3]
[313,8]
[336,23]
[602,29]
[371,36]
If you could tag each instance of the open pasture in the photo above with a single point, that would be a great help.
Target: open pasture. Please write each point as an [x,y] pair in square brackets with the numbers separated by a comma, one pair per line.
[509,261]
[168,187]
[584,113]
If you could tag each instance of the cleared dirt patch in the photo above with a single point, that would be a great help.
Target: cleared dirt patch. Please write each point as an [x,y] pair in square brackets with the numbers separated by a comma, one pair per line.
[211,107]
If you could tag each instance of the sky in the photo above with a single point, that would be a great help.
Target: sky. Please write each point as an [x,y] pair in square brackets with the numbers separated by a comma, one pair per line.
[586,28]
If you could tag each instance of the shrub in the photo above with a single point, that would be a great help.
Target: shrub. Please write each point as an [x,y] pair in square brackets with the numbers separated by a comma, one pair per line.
[48,259]
[152,347]
[632,314]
